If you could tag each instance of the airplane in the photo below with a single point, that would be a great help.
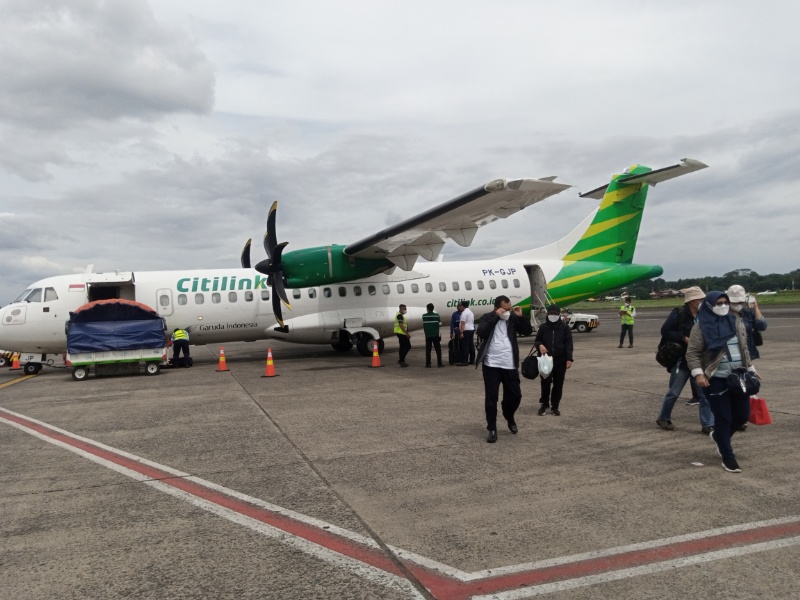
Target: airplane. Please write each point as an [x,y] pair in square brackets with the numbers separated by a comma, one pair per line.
[348,295]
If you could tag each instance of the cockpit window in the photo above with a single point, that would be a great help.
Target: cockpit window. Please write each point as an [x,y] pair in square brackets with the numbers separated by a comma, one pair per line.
[34,296]
[50,294]
[22,296]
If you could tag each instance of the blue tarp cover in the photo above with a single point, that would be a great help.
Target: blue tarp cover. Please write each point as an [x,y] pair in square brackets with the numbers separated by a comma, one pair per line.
[108,325]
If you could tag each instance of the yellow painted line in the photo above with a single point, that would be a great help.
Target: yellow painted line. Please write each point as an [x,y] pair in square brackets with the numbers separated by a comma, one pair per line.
[17,380]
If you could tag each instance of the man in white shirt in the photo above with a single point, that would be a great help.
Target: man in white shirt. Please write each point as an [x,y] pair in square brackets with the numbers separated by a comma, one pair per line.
[467,335]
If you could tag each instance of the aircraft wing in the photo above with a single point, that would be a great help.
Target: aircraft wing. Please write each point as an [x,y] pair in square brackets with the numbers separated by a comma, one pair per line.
[458,220]
[687,165]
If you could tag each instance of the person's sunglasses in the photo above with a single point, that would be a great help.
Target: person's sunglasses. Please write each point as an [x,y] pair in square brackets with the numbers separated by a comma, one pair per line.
[722,303]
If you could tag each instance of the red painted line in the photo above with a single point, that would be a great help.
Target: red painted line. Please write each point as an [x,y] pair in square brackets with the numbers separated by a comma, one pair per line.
[441,586]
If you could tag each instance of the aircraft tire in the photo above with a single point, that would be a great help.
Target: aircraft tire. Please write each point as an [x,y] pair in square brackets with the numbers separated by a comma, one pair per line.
[342,345]
[364,346]
[31,368]
[80,373]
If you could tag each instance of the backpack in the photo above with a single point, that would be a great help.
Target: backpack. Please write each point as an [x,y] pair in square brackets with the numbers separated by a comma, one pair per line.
[669,353]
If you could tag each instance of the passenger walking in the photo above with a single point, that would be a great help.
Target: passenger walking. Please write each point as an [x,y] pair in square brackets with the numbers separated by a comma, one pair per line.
[746,307]
[467,335]
[676,329]
[430,324]
[180,342]
[717,345]
[500,358]
[627,315]
[403,336]
[554,338]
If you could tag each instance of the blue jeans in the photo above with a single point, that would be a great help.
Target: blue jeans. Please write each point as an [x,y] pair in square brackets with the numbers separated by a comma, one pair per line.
[730,413]
[678,377]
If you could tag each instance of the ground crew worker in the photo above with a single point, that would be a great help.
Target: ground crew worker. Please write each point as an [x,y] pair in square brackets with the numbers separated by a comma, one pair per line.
[430,324]
[401,331]
[180,341]
[627,313]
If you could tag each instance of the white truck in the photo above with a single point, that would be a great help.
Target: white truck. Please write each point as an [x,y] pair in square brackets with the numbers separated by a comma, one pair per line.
[580,322]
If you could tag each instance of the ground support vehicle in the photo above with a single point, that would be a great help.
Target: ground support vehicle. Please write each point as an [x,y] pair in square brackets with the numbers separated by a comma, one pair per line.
[115,337]
[582,323]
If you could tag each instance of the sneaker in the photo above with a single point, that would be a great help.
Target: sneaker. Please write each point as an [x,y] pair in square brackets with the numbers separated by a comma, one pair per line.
[402,364]
[731,466]
[665,424]
[542,410]
[556,412]
[693,402]
[743,428]
[620,346]
[707,429]
[711,435]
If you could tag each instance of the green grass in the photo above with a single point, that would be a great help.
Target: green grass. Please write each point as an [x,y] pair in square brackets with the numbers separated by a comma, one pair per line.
[789,297]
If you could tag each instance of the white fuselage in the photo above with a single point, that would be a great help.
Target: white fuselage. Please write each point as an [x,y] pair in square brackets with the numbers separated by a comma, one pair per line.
[226,305]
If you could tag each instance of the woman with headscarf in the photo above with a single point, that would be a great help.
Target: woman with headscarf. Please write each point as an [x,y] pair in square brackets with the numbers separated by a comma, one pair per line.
[717,345]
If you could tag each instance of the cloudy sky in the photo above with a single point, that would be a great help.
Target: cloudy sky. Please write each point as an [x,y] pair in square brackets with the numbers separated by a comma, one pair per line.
[155,135]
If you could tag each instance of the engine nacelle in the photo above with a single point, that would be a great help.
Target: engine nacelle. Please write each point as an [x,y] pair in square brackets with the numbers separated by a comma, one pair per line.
[324,265]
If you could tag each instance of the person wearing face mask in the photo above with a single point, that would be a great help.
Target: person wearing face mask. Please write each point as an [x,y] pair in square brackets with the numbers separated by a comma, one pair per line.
[500,358]
[676,329]
[555,338]
[717,345]
[752,318]
[627,315]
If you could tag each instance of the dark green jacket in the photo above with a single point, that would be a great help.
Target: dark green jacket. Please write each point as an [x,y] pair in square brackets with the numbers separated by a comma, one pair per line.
[430,324]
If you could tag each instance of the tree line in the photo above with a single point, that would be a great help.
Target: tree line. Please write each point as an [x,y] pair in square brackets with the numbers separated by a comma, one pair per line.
[749,279]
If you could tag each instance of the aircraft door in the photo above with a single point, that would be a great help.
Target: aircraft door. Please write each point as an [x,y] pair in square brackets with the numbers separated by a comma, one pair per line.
[164,302]
[539,296]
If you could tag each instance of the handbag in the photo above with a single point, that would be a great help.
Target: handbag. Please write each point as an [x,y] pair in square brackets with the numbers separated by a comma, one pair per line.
[757,337]
[742,382]
[668,354]
[759,415]
[530,366]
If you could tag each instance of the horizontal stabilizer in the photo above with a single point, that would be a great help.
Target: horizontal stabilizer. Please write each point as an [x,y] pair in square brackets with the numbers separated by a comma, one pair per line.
[687,165]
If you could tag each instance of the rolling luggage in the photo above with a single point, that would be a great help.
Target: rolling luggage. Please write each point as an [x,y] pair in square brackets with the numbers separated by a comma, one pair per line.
[454,351]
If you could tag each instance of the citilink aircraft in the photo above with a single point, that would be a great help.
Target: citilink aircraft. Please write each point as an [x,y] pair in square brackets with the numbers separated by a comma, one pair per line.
[348,295]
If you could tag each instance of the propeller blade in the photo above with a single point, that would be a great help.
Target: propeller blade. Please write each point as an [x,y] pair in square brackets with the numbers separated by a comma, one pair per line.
[276,308]
[279,289]
[246,255]
[270,237]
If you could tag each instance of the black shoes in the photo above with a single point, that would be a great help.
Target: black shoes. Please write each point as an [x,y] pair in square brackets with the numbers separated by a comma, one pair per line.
[665,424]
[492,437]
[542,410]
[731,466]
[440,365]
[555,412]
[402,364]
[706,429]
[512,427]
[693,402]
[462,364]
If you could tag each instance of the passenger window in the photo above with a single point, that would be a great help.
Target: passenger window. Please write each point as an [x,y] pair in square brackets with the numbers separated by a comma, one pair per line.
[50,294]
[428,287]
[231,296]
[265,294]
[504,283]
[415,288]
[455,286]
[480,285]
[357,290]
[516,283]
[371,290]
[182,300]
[296,294]
[35,296]
[216,298]
[248,296]
[326,292]
[467,285]
[312,292]
[385,289]
[163,299]
[401,289]
[442,286]
[342,291]
[199,298]
[492,284]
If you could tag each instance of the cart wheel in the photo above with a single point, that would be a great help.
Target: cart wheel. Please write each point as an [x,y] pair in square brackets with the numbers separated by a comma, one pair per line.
[80,373]
[152,369]
[3,361]
[31,368]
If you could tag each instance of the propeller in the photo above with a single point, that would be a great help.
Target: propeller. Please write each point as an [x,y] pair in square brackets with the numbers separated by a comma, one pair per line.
[271,266]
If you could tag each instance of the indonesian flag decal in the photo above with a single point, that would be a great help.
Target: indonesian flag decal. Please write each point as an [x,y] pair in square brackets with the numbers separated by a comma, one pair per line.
[77,287]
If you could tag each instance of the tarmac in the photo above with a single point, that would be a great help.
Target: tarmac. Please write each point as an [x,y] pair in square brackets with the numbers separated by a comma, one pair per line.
[337,480]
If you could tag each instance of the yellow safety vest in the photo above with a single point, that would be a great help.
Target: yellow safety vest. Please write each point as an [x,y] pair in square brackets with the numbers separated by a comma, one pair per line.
[180,334]
[627,318]
[398,328]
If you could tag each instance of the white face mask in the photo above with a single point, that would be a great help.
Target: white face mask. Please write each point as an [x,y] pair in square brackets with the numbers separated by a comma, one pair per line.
[505,316]
[737,306]
[721,311]
[553,318]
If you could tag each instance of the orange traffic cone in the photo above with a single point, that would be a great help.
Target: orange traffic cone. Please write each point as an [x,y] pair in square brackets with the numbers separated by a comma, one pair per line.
[223,366]
[270,371]
[376,358]
[15,362]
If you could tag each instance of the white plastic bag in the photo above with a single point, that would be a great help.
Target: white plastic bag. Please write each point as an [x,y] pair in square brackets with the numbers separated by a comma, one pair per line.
[545,365]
